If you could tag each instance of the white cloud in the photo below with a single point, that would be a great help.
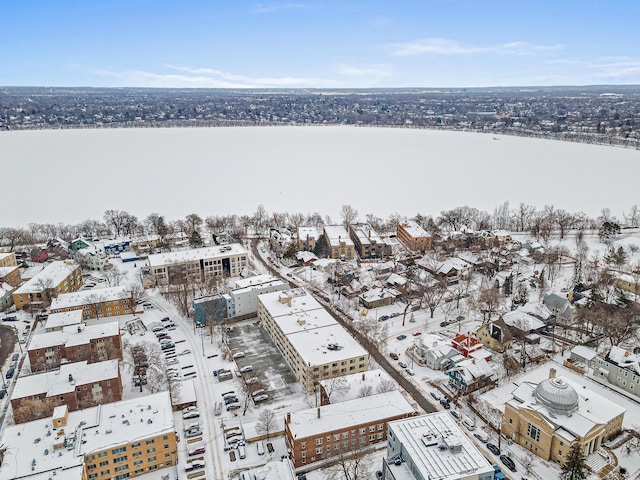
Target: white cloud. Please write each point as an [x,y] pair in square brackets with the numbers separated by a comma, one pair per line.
[373,70]
[444,46]
[209,78]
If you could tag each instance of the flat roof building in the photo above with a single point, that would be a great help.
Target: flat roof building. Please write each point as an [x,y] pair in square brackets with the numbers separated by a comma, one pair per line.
[413,236]
[55,279]
[432,446]
[340,244]
[96,303]
[313,343]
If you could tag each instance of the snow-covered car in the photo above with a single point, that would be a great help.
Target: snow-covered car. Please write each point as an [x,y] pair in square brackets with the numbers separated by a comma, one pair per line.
[173,361]
[246,369]
[192,408]
[192,414]
[260,398]
[184,352]
[238,355]
[196,451]
[402,364]
[196,465]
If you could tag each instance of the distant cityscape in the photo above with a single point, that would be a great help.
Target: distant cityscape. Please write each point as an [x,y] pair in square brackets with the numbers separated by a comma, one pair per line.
[607,115]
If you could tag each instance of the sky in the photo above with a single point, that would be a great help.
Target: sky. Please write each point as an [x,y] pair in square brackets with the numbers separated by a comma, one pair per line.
[319,44]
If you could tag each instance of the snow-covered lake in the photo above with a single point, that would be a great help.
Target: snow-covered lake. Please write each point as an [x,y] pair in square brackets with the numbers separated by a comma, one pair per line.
[67,176]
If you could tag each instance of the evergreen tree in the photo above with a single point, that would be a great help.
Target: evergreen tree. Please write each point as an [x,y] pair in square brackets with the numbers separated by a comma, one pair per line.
[195,240]
[507,287]
[575,468]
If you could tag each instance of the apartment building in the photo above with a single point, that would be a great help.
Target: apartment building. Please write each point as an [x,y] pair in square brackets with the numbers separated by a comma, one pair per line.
[341,246]
[115,441]
[331,431]
[432,446]
[307,238]
[10,275]
[243,299]
[55,279]
[74,343]
[366,240]
[198,264]
[77,385]
[96,303]
[546,417]
[8,259]
[413,236]
[314,345]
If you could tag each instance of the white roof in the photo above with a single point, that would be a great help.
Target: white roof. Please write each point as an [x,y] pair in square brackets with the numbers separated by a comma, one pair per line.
[312,345]
[422,438]
[337,416]
[355,382]
[301,301]
[366,234]
[413,229]
[624,359]
[57,383]
[196,254]
[522,320]
[337,234]
[63,319]
[88,297]
[584,352]
[255,280]
[55,272]
[304,232]
[377,294]
[95,429]
[70,335]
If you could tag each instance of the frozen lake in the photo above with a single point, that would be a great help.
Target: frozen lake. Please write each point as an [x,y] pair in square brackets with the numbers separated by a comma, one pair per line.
[53,176]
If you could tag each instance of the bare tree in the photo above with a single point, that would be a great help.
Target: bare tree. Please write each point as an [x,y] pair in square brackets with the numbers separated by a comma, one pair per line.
[386,385]
[433,294]
[365,391]
[336,385]
[350,464]
[113,276]
[266,422]
[349,215]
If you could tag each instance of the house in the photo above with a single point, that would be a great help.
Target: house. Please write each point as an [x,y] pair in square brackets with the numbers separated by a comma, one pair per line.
[324,433]
[366,240]
[619,367]
[129,438]
[435,352]
[548,416]
[10,275]
[92,258]
[6,296]
[495,336]
[8,259]
[313,343]
[56,278]
[39,254]
[560,307]
[523,326]
[76,385]
[466,344]
[378,297]
[432,446]
[307,258]
[470,375]
[79,244]
[210,308]
[413,236]
[74,342]
[341,247]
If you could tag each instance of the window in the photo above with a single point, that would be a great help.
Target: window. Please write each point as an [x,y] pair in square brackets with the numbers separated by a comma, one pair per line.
[380,426]
[151,459]
[345,435]
[118,450]
[137,454]
[380,435]
[151,450]
[533,432]
[135,445]
[105,463]
[363,431]
[319,451]
[304,454]
[91,467]
[120,459]
[149,442]
[336,438]
[137,462]
[372,428]
[318,441]
[102,454]
[93,475]
[105,472]
[121,468]
[303,445]
[90,458]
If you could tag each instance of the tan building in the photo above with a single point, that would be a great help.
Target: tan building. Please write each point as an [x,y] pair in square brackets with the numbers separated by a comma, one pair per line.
[10,275]
[548,417]
[413,236]
[307,238]
[55,279]
[114,441]
[96,303]
[314,345]
[341,246]
[198,264]
[76,385]
[327,432]
[495,336]
[74,343]
[366,240]
[8,259]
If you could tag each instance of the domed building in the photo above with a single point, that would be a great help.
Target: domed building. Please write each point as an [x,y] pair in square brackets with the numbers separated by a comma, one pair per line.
[547,418]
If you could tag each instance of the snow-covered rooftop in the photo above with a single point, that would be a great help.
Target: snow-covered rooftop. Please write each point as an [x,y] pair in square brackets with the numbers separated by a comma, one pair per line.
[337,416]
[522,321]
[70,335]
[312,345]
[30,446]
[196,254]
[354,383]
[624,359]
[337,234]
[58,382]
[299,299]
[63,319]
[88,297]
[413,229]
[52,275]
[366,234]
[437,448]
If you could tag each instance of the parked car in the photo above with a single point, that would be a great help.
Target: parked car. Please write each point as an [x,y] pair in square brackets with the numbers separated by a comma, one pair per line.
[246,369]
[393,355]
[197,465]
[233,406]
[455,414]
[192,414]
[394,314]
[469,424]
[253,380]
[10,373]
[15,357]
[229,393]
[435,396]
[402,364]
[196,451]
[481,436]
[493,448]
[445,403]
[497,473]
[167,346]
[184,352]
[378,475]
[173,361]
[444,324]
[416,334]
[192,408]
[228,400]
[260,398]
[510,464]
[410,372]
[383,318]
[238,355]
[3,393]
[401,337]
[193,432]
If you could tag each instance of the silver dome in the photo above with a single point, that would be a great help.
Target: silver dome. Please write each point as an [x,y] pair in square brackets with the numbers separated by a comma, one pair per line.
[558,396]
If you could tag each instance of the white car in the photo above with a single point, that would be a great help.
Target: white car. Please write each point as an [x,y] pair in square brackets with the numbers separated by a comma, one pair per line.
[192,414]
[246,369]
[192,408]
[185,352]
[173,361]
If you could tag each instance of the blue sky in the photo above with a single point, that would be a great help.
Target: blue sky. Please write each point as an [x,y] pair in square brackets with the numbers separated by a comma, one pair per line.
[322,44]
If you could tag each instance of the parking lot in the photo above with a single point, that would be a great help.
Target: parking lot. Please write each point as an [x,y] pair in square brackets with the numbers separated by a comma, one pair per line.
[269,366]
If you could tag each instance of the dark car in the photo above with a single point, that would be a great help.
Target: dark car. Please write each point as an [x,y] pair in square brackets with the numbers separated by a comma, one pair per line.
[401,337]
[3,393]
[493,448]
[383,318]
[15,357]
[393,355]
[10,373]
[167,346]
[445,403]
[228,400]
[11,318]
[508,462]
[379,475]
[444,324]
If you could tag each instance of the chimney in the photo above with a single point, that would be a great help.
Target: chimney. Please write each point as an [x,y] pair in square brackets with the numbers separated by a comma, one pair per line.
[79,329]
[288,417]
[70,378]
[318,412]
[363,376]
[552,373]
